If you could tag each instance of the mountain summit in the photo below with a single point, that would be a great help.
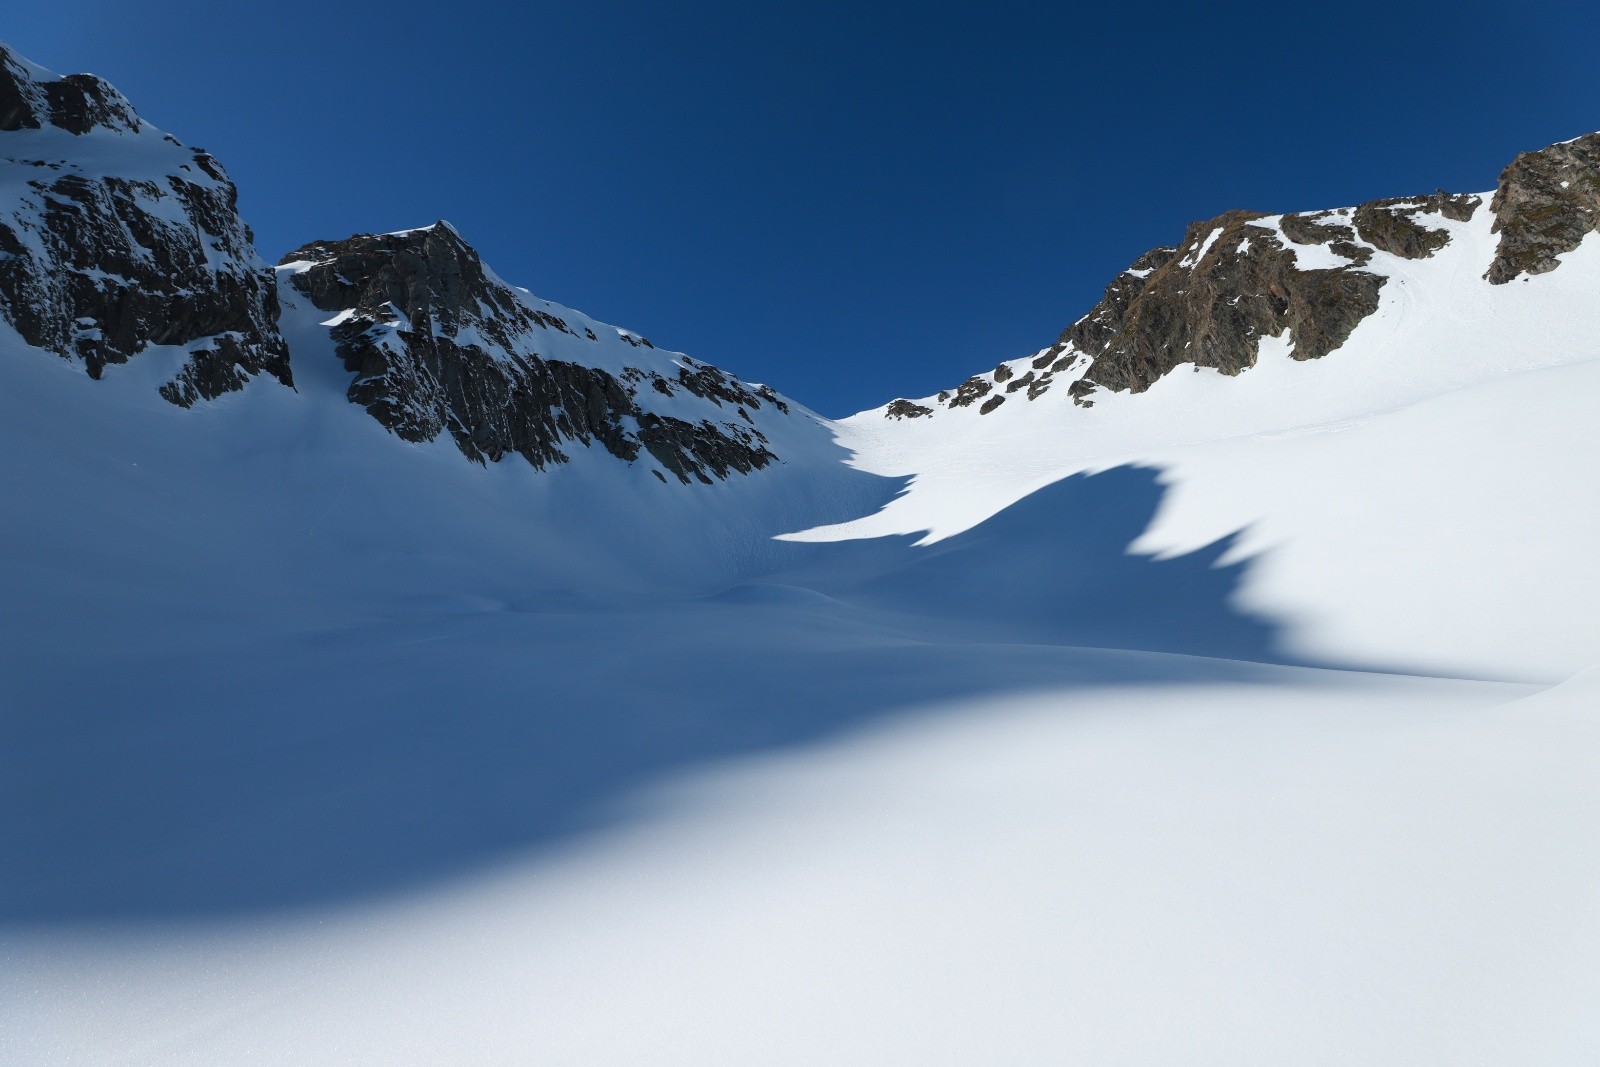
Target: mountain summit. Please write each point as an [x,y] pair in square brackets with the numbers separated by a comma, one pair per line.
[116,240]
[438,343]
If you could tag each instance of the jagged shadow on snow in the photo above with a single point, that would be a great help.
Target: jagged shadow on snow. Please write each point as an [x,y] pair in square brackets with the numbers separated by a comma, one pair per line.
[1055,568]
[251,773]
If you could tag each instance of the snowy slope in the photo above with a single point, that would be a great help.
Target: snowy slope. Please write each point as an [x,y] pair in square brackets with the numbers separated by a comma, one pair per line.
[1419,498]
[1278,867]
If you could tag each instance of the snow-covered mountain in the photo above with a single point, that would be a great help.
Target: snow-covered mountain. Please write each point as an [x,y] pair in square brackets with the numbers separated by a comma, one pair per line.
[439,343]
[116,239]
[120,240]
[1383,408]
[398,667]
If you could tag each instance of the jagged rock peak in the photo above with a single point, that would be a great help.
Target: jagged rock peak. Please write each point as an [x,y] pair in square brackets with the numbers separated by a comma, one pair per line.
[142,247]
[438,343]
[1547,202]
[430,272]
[32,97]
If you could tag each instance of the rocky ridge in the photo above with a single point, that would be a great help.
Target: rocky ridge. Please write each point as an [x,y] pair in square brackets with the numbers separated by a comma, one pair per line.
[1209,300]
[437,344]
[116,238]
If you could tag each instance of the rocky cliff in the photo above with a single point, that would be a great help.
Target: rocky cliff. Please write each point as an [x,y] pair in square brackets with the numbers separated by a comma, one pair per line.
[1546,203]
[1209,300]
[115,239]
[436,343]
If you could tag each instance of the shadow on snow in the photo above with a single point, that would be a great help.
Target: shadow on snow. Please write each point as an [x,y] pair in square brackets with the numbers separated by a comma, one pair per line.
[302,769]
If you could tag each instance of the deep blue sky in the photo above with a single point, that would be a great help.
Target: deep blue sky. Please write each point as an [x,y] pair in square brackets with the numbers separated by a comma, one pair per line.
[848,201]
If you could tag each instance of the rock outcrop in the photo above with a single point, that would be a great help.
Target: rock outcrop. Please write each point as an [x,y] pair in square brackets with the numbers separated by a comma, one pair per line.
[1393,226]
[118,238]
[1211,299]
[905,409]
[1243,276]
[437,344]
[1547,202]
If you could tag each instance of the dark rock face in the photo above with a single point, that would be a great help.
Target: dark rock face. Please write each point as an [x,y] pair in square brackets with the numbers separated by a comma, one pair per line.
[437,345]
[1211,300]
[1391,225]
[97,266]
[1546,203]
[905,409]
[1324,228]
[969,391]
[1207,302]
[76,103]
[1098,328]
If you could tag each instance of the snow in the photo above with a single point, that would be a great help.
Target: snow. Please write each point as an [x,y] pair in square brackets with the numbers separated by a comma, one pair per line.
[1058,735]
[337,749]
[1281,866]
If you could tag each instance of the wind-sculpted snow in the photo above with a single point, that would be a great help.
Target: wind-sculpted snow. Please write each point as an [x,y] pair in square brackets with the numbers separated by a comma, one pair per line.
[115,239]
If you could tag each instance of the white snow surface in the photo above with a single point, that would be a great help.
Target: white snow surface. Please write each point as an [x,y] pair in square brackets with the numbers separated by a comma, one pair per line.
[1288,868]
[321,747]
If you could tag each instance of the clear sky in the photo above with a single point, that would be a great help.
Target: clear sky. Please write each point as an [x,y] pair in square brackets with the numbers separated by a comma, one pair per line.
[848,201]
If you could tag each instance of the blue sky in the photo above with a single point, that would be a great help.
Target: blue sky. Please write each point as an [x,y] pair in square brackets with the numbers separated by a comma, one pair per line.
[851,202]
